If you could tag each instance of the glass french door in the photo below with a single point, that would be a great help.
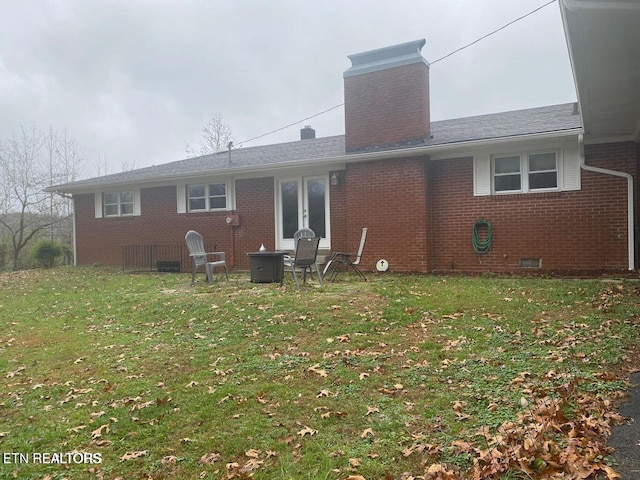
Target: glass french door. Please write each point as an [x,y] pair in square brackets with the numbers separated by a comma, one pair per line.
[303,203]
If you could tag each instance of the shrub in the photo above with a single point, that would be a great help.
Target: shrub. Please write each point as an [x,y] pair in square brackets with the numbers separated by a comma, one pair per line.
[45,253]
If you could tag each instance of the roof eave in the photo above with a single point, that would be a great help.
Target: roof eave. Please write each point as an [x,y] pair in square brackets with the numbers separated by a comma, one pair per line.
[409,152]
[600,37]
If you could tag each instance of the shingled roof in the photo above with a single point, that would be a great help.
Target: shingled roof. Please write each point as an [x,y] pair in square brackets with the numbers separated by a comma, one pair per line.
[560,119]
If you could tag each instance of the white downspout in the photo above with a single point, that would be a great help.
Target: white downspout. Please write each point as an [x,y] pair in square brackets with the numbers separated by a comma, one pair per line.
[630,226]
[75,243]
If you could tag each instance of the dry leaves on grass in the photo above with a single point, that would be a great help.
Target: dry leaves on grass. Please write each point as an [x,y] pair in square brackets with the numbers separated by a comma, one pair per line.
[563,437]
[246,467]
[545,443]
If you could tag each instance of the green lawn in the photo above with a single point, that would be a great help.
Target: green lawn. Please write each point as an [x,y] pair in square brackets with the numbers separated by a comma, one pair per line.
[143,376]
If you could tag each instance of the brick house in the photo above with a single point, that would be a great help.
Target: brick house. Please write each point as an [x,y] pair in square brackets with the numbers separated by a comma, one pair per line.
[557,184]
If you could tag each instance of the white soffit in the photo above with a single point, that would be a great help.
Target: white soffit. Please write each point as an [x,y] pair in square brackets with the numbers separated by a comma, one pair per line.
[604,45]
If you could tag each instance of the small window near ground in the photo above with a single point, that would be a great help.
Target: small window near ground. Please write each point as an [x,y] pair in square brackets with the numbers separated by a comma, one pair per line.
[530,263]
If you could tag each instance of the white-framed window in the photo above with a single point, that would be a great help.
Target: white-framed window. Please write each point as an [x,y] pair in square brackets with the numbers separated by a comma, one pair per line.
[525,172]
[543,171]
[118,204]
[207,197]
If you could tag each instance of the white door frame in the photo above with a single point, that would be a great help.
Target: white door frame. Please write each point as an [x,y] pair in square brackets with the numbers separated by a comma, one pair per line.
[303,210]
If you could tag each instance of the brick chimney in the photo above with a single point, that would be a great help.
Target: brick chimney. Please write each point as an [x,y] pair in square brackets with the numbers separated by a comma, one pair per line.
[386,95]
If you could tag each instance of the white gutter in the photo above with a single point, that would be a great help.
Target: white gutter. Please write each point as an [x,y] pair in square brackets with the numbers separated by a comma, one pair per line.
[600,5]
[630,226]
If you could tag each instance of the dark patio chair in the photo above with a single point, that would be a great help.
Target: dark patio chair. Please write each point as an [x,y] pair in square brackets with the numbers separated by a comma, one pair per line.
[340,260]
[301,233]
[200,258]
[305,259]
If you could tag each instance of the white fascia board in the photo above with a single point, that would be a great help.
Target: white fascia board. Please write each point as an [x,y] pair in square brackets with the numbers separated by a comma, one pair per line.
[470,148]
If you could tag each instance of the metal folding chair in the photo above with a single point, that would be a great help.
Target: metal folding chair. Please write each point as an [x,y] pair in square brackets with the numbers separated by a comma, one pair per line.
[340,260]
[305,259]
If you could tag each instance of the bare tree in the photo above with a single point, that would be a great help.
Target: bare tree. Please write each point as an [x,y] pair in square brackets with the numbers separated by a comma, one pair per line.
[30,162]
[216,136]
[102,166]
[64,165]
[127,166]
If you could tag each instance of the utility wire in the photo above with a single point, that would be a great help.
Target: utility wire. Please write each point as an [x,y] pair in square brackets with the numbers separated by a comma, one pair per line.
[494,32]
[294,123]
[430,63]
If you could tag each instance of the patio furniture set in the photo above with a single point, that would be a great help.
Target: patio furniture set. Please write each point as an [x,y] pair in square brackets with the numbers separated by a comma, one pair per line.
[269,266]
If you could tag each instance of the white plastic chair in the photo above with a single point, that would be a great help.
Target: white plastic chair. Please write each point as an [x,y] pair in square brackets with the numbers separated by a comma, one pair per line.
[195,244]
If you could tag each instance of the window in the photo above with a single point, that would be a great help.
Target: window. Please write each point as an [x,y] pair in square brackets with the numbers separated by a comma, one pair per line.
[543,171]
[118,204]
[207,197]
[525,172]
[507,175]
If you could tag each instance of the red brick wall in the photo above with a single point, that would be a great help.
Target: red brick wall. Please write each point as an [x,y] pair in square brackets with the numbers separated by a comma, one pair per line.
[100,240]
[338,220]
[387,106]
[583,230]
[255,202]
[389,198]
[419,213]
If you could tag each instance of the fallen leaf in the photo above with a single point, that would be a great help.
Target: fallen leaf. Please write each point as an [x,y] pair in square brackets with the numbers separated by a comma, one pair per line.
[76,429]
[367,433]
[209,458]
[101,443]
[307,431]
[97,433]
[317,370]
[252,453]
[458,406]
[133,455]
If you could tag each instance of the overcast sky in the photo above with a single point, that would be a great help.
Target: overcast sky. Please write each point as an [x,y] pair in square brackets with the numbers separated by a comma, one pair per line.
[134,81]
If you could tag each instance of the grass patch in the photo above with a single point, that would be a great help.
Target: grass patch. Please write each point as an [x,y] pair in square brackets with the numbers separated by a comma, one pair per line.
[167,380]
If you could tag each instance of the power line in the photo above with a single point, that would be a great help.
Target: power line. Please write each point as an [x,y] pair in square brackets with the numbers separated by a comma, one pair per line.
[430,63]
[293,124]
[494,32]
